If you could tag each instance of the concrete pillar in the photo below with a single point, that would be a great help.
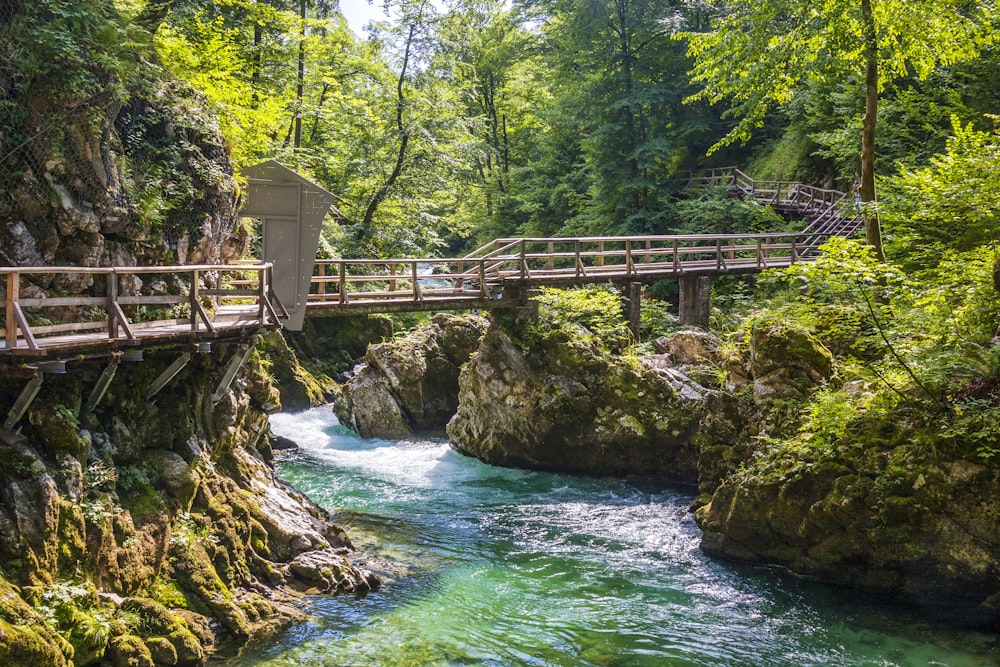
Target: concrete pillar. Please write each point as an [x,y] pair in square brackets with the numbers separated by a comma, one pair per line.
[634,308]
[693,306]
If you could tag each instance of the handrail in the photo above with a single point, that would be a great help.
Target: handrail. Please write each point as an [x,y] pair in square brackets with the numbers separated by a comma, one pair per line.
[207,309]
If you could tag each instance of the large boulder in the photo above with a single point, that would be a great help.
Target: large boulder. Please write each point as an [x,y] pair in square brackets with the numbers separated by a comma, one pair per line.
[928,535]
[561,403]
[411,383]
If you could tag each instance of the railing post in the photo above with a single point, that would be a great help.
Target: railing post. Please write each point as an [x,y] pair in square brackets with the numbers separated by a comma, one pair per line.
[112,302]
[482,279]
[576,255]
[321,288]
[600,257]
[760,256]
[342,288]
[649,246]
[794,253]
[417,296]
[13,288]
[262,294]
[628,257]
[549,264]
[677,263]
[392,276]
[193,300]
[524,261]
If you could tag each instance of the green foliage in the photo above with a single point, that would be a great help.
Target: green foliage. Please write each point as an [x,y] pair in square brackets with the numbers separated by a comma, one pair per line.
[591,313]
[775,46]
[951,205]
[715,211]
[831,295]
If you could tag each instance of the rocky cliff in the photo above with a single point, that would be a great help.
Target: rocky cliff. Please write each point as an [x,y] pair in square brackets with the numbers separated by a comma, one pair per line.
[151,531]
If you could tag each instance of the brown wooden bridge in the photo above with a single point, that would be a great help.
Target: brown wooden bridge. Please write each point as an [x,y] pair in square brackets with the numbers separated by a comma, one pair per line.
[135,306]
[184,309]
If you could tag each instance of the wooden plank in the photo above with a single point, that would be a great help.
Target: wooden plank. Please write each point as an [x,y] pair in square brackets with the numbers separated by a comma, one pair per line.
[62,301]
[22,322]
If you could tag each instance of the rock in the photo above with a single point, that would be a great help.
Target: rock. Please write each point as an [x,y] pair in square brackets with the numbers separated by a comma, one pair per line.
[171,473]
[129,651]
[563,405]
[280,442]
[689,347]
[297,386]
[161,651]
[410,383]
[785,363]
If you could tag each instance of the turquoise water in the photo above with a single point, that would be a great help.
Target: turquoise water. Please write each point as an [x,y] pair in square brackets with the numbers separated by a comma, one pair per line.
[510,568]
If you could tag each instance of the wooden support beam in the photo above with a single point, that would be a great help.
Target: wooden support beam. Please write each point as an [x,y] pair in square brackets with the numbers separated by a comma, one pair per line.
[694,300]
[100,389]
[23,402]
[22,322]
[13,287]
[236,362]
[634,309]
[167,375]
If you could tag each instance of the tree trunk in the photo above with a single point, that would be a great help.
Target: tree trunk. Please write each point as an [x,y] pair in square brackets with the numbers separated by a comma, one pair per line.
[300,84]
[873,228]
[404,137]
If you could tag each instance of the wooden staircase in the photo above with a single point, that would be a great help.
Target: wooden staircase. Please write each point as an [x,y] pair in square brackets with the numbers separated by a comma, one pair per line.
[826,212]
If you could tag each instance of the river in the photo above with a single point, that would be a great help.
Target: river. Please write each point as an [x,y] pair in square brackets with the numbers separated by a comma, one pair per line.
[511,568]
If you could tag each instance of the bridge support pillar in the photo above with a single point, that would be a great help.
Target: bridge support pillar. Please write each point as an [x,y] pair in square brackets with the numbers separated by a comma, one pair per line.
[634,309]
[694,295]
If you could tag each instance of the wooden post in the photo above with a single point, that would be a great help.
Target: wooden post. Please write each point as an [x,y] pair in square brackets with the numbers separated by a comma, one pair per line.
[343,282]
[549,264]
[417,296]
[677,265]
[576,253]
[112,305]
[649,245]
[321,288]
[193,294]
[634,309]
[600,257]
[628,257]
[13,286]
[694,300]
[392,276]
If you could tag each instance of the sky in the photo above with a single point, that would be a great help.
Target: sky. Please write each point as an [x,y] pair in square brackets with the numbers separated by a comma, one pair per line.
[358,13]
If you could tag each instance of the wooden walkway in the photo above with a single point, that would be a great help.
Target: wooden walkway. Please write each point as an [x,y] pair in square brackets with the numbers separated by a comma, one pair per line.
[482,278]
[136,306]
[132,306]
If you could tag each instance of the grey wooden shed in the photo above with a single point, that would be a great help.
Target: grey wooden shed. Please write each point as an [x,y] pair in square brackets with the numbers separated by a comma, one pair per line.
[291,210]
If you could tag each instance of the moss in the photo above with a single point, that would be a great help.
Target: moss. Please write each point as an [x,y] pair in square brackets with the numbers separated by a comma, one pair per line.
[129,651]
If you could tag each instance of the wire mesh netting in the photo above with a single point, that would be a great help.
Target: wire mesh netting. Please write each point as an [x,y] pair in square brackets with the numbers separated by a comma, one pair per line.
[104,159]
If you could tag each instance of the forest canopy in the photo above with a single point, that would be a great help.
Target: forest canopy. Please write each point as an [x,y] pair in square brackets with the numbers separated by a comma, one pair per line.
[452,122]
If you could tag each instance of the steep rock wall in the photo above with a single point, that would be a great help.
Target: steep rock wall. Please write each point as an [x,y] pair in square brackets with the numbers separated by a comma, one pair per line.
[172,500]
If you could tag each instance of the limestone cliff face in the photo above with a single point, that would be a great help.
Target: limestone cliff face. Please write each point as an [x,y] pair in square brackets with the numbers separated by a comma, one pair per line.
[410,384]
[169,507]
[105,159]
[562,404]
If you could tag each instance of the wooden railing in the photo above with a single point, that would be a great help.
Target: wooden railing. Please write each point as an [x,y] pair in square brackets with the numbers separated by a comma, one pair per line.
[354,284]
[827,212]
[133,303]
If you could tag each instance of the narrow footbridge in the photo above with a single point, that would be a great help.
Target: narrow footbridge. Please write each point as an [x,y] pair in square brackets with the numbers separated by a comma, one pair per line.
[129,307]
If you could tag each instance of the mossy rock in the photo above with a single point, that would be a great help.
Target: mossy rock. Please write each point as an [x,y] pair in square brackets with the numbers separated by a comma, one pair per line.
[129,651]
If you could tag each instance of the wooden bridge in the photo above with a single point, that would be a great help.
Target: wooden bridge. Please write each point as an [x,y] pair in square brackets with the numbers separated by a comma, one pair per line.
[132,306]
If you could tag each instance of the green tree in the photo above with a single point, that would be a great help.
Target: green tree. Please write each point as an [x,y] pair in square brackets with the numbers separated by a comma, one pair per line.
[760,51]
